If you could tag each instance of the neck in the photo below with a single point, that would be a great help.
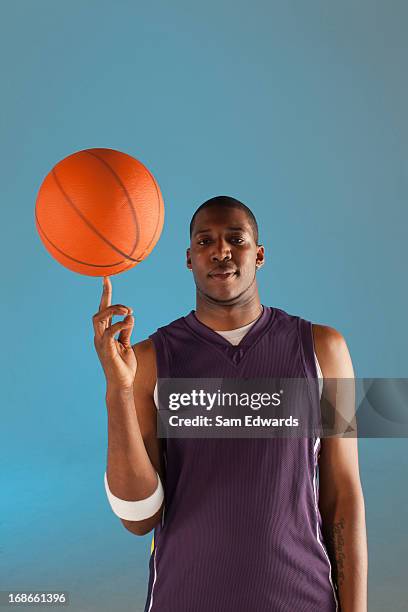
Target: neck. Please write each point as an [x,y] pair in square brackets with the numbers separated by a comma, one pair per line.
[222,317]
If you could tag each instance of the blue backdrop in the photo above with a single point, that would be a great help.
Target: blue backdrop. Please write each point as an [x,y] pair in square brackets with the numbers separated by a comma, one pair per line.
[299,110]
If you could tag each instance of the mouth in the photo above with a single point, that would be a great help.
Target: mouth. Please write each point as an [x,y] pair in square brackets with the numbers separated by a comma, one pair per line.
[222,276]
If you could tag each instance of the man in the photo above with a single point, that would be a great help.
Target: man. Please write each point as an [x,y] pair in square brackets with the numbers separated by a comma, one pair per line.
[239,523]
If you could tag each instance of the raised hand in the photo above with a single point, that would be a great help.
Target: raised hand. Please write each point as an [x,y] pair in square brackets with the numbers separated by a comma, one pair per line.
[116,356]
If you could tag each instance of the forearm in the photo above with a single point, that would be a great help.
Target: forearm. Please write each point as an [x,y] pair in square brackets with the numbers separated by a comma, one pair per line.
[130,473]
[344,530]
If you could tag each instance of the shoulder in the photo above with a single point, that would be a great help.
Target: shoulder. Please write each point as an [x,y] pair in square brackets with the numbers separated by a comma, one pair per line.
[144,348]
[332,352]
[327,336]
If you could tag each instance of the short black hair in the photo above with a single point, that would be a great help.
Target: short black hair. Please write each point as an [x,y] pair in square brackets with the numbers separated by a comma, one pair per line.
[228,202]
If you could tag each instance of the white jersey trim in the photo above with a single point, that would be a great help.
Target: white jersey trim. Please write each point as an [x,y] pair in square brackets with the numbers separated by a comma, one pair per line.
[154,580]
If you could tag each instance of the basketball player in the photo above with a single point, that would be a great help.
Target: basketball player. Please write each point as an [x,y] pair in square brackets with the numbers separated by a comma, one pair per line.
[240,525]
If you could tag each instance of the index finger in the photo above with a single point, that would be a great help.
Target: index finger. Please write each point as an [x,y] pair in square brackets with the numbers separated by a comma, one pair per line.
[106,293]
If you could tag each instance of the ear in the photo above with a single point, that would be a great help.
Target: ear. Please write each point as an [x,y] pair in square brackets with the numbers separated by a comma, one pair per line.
[260,256]
[188,259]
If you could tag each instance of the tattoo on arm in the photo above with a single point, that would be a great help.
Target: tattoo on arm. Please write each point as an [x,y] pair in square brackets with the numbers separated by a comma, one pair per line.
[335,544]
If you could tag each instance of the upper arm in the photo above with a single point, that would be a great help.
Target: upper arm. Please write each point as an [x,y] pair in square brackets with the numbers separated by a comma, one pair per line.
[143,393]
[338,464]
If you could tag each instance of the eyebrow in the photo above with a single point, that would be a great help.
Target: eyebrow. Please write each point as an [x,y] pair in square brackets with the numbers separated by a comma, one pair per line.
[233,229]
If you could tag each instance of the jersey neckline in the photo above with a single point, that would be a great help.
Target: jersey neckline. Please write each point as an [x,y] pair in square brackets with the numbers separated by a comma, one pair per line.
[235,353]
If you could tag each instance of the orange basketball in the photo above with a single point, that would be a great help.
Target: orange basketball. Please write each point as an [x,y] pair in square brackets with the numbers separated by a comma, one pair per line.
[99,212]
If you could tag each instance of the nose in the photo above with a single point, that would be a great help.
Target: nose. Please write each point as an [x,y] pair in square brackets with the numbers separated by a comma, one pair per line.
[221,251]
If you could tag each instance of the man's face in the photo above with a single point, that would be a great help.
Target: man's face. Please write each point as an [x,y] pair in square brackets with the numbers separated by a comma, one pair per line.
[223,254]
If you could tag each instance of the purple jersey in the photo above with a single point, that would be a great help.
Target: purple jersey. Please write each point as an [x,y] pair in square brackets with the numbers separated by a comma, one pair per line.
[241,528]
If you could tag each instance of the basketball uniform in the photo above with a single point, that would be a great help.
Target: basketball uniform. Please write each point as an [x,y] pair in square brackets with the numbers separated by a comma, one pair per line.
[241,528]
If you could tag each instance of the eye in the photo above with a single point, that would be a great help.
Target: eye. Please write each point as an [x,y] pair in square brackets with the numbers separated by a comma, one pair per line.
[203,241]
[237,240]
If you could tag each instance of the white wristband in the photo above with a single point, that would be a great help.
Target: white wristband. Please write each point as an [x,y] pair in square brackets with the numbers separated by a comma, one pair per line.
[136,510]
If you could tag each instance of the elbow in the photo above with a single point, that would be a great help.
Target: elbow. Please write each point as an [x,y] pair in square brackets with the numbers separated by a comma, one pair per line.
[123,508]
[144,527]
[135,527]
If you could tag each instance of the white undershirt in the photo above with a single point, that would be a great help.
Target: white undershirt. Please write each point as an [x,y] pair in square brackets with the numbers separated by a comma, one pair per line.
[235,336]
